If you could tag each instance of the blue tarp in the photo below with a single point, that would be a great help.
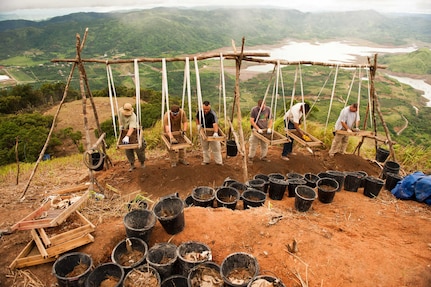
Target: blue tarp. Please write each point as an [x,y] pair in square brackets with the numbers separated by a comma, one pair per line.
[415,186]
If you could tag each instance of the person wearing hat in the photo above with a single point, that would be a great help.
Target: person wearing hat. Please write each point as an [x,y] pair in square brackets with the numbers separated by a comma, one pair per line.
[175,120]
[128,121]
[347,121]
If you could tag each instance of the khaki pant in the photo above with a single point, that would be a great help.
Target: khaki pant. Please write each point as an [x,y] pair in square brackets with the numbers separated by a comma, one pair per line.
[214,147]
[339,144]
[140,153]
[173,155]
[254,142]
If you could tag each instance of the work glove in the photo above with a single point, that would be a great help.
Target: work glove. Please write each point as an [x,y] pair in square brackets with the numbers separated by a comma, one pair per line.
[268,131]
[349,130]
[126,140]
[306,138]
[215,135]
[260,131]
[356,130]
[174,141]
[199,128]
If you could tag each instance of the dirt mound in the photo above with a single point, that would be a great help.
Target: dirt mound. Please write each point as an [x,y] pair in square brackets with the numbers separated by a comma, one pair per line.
[355,240]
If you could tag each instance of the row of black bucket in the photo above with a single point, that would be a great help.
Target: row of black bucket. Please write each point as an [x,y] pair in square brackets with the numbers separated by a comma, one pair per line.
[166,265]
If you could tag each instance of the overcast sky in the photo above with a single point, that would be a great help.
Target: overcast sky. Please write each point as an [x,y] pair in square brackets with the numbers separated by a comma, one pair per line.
[415,6]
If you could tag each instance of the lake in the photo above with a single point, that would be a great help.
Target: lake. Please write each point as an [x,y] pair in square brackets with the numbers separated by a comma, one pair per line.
[336,53]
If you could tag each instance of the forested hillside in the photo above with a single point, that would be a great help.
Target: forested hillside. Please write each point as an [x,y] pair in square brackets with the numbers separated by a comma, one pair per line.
[173,31]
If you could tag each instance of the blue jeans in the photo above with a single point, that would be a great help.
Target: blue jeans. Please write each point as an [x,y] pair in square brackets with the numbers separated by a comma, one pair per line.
[287,147]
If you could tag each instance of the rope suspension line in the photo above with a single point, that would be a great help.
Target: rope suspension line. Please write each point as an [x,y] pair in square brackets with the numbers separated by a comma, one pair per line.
[332,97]
[165,92]
[112,94]
[222,90]
[199,92]
[186,86]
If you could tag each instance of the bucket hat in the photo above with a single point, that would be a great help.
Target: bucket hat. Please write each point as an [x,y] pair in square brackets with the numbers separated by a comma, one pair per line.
[127,109]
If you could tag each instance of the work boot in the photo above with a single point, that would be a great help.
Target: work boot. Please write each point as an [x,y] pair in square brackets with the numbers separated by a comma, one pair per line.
[183,161]
[173,164]
[265,159]
[132,167]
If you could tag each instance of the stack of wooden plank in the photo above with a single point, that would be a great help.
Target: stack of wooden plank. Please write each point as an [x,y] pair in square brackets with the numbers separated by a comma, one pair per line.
[55,227]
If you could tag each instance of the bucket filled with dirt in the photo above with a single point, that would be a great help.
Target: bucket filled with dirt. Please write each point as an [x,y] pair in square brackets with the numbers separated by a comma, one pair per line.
[191,254]
[108,274]
[129,253]
[162,256]
[170,213]
[205,274]
[253,198]
[326,189]
[256,184]
[203,196]
[139,223]
[227,197]
[339,176]
[304,197]
[142,276]
[266,280]
[175,281]
[72,269]
[239,268]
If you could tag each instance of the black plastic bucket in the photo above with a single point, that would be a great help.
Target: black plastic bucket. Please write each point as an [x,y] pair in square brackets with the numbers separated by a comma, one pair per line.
[270,281]
[175,281]
[338,176]
[188,201]
[381,154]
[203,196]
[97,161]
[144,274]
[265,179]
[322,174]
[170,213]
[390,167]
[205,274]
[227,196]
[326,188]
[245,262]
[276,175]
[277,188]
[125,249]
[162,257]
[391,180]
[65,269]
[294,175]
[352,181]
[363,174]
[191,254]
[304,197]
[139,223]
[227,181]
[311,179]
[110,271]
[253,198]
[373,186]
[241,187]
[258,184]
[231,148]
[292,184]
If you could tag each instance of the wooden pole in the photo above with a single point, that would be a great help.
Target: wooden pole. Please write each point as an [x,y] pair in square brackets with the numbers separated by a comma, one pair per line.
[238,61]
[69,79]
[17,160]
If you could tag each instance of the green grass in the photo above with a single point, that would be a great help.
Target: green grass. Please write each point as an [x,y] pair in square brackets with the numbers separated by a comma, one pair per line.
[22,61]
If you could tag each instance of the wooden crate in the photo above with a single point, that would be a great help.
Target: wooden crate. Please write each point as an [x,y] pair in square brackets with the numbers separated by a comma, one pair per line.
[134,142]
[206,134]
[273,138]
[314,141]
[30,256]
[47,216]
[183,141]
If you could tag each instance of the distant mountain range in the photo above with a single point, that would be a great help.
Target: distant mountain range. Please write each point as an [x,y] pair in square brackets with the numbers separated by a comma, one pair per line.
[175,31]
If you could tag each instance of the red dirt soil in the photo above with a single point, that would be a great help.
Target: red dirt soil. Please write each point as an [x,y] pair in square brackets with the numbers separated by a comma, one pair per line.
[353,241]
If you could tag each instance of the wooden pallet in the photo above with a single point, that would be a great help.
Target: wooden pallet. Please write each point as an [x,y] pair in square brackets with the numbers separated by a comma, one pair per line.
[183,141]
[314,141]
[134,143]
[47,216]
[29,256]
[274,138]
[206,134]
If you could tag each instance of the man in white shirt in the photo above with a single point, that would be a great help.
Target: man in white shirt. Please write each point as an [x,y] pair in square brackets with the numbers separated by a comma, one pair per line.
[292,119]
[347,121]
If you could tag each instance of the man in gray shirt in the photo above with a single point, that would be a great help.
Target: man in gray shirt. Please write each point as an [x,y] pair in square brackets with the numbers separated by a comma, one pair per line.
[347,121]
